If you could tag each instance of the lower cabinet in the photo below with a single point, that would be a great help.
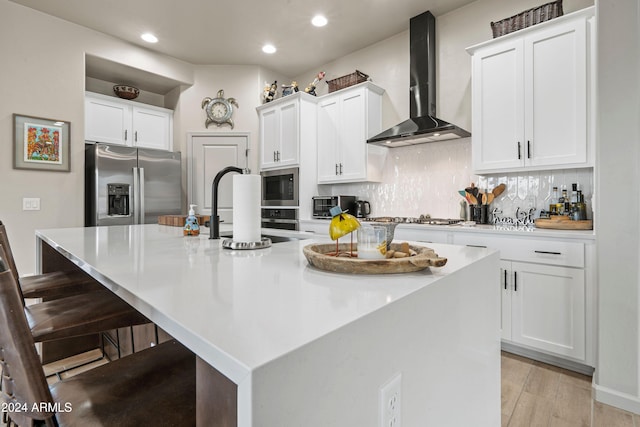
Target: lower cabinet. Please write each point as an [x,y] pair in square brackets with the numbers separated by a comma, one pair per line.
[547,293]
[543,307]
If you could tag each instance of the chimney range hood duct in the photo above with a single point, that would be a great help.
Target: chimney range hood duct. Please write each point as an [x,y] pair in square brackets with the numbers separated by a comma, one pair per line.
[422,126]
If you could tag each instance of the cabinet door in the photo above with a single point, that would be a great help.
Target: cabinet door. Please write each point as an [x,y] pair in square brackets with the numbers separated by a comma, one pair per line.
[328,140]
[506,290]
[107,121]
[556,95]
[352,155]
[152,128]
[498,103]
[270,136]
[548,308]
[288,153]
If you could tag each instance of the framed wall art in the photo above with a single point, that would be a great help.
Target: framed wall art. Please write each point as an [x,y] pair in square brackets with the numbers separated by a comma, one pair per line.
[41,144]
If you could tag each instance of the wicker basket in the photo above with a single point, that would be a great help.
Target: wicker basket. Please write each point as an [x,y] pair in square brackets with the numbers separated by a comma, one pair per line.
[527,18]
[346,81]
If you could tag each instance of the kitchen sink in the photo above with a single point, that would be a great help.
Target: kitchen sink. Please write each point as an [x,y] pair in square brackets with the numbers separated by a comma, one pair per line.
[274,239]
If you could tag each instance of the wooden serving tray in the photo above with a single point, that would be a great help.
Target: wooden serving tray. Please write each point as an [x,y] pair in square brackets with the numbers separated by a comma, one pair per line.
[317,256]
[178,220]
[561,222]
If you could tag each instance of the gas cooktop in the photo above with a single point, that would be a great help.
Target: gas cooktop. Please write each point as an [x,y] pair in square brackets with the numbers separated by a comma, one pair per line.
[423,219]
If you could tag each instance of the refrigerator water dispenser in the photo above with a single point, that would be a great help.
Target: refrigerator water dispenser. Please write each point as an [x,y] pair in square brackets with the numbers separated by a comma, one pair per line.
[118,197]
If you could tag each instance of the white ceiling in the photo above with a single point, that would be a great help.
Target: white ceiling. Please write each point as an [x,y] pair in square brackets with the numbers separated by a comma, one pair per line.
[233,32]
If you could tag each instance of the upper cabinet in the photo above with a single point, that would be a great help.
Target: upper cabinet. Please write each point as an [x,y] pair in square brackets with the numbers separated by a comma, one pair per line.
[346,119]
[115,121]
[533,97]
[286,126]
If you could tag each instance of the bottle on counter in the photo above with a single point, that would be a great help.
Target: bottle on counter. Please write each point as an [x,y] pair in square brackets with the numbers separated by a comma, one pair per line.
[191,227]
[564,205]
[553,206]
[582,206]
[574,194]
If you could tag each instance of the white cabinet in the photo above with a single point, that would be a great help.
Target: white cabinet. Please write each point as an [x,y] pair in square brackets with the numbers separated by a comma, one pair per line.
[346,119]
[547,307]
[115,121]
[532,98]
[545,294]
[286,125]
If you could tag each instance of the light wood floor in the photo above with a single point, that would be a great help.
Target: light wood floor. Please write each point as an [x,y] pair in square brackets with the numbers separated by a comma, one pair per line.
[533,394]
[537,394]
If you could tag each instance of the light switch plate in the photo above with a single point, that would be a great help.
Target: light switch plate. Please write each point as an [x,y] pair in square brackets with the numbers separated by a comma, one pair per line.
[31,204]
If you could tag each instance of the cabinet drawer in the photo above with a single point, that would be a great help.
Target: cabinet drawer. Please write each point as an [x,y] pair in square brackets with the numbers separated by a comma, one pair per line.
[541,251]
[570,254]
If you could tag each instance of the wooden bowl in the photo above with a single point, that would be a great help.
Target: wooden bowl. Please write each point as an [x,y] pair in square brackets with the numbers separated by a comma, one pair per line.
[318,256]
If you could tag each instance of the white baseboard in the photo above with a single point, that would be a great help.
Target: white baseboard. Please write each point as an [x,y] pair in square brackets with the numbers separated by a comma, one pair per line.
[615,398]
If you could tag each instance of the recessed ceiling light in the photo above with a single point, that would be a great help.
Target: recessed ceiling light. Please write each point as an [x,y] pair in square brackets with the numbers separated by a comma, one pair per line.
[319,21]
[149,38]
[269,48]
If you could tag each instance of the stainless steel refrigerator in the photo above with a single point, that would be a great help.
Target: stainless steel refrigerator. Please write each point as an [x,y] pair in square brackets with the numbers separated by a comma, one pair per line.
[128,185]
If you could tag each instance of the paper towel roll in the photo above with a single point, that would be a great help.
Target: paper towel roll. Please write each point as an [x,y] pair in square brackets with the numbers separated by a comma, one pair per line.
[246,208]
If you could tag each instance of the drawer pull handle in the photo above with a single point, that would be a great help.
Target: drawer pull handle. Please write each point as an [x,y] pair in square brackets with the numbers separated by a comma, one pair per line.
[515,281]
[505,280]
[519,156]
[548,252]
[476,246]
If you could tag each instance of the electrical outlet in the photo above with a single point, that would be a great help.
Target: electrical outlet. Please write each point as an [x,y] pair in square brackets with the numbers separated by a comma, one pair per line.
[391,403]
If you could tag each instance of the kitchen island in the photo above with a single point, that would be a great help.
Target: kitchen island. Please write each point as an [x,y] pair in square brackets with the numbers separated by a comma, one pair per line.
[304,347]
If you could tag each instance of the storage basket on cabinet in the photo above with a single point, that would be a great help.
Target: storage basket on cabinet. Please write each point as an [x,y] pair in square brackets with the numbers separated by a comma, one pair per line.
[346,81]
[527,18]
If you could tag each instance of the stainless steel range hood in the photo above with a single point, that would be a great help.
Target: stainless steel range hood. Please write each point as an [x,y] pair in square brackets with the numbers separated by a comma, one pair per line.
[422,126]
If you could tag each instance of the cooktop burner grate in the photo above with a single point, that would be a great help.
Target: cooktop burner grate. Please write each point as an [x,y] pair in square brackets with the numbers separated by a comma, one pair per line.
[413,220]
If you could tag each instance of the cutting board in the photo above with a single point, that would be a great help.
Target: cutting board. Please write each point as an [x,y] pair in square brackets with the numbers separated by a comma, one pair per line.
[178,220]
[561,222]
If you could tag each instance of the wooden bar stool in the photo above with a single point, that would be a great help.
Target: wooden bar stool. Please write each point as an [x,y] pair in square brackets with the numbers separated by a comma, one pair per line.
[77,315]
[49,285]
[154,387]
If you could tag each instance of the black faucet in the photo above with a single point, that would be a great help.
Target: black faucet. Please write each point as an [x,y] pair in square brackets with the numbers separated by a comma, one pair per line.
[214,220]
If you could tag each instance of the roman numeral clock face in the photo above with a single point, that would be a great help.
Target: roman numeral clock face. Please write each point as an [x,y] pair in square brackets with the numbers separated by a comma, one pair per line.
[219,109]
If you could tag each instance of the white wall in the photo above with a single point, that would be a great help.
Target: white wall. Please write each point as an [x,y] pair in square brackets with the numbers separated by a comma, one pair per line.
[618,172]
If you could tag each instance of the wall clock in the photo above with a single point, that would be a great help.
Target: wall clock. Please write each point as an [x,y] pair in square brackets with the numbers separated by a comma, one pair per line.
[219,109]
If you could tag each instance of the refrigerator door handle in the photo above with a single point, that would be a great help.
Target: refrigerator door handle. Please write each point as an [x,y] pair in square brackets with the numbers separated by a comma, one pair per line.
[141,196]
[136,195]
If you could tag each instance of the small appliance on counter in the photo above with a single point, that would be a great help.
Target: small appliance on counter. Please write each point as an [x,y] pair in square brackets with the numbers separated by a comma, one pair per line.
[322,205]
[363,209]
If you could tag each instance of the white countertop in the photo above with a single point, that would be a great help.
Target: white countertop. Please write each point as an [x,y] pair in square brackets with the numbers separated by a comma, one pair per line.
[237,310]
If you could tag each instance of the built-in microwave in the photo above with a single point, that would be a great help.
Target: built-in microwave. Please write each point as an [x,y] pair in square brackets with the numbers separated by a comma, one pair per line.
[280,187]
[322,205]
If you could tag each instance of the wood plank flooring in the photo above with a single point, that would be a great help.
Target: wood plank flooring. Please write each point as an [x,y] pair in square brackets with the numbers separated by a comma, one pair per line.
[534,394]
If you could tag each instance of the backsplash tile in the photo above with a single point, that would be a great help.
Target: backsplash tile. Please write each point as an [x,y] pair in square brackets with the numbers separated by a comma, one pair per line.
[425,179]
